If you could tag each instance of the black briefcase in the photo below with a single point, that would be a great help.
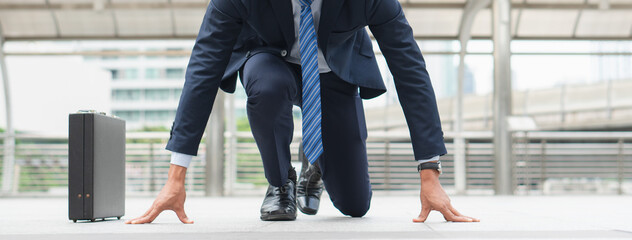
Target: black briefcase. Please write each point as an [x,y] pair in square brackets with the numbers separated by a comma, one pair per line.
[96,166]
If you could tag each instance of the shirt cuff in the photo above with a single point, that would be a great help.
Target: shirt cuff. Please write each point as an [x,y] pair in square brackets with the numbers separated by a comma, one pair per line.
[181,159]
[435,158]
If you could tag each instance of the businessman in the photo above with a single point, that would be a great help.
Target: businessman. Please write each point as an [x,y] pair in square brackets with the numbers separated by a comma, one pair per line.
[315,54]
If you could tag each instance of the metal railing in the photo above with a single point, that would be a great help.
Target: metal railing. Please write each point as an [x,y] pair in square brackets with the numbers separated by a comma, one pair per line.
[580,162]
[544,163]
[41,165]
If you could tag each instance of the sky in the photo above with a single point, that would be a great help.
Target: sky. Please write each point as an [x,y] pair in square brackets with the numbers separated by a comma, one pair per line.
[46,89]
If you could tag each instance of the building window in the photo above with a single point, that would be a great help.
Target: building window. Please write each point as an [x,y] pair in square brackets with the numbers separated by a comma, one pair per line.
[157,95]
[174,50]
[126,95]
[176,93]
[109,57]
[115,74]
[175,73]
[157,116]
[169,73]
[153,73]
[124,74]
[131,73]
[132,116]
[130,57]
[153,50]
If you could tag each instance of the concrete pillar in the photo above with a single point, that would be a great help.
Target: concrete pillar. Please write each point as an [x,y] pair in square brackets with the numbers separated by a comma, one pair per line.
[231,161]
[465,34]
[460,165]
[503,177]
[9,138]
[215,149]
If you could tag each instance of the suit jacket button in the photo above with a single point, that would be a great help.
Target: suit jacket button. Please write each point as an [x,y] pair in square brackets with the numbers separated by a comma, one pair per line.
[283,53]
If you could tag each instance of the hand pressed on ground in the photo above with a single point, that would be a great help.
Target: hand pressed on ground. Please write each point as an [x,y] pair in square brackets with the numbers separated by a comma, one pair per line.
[171,197]
[433,197]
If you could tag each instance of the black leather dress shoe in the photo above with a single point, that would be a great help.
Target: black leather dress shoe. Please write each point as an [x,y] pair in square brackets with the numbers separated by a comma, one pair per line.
[310,186]
[279,203]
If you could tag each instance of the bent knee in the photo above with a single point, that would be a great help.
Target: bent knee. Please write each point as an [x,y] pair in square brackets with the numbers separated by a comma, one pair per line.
[272,91]
[357,210]
[355,206]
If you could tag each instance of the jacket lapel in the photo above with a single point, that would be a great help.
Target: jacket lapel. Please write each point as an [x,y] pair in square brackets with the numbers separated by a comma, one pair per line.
[284,15]
[328,14]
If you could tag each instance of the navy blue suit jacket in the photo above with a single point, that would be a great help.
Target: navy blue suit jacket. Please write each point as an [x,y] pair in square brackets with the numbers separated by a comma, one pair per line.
[233,30]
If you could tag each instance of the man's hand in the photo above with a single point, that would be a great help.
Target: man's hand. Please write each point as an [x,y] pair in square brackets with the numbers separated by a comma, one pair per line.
[433,197]
[171,197]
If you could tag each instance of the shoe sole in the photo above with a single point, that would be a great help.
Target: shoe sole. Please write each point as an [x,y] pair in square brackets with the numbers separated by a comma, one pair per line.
[278,217]
[307,210]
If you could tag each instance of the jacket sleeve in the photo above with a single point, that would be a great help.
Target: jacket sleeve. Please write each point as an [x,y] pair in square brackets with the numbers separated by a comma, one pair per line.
[412,82]
[212,50]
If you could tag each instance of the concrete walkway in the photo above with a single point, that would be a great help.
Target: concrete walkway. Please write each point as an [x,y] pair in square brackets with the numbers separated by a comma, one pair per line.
[524,217]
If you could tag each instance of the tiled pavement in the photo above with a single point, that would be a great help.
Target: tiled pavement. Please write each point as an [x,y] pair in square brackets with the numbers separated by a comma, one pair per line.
[502,217]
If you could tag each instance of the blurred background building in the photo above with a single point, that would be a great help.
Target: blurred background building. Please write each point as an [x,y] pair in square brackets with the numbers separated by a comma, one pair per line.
[145,89]
[535,96]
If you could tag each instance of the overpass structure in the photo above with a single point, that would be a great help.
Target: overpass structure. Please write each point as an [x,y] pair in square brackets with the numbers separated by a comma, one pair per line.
[439,19]
[604,106]
[499,20]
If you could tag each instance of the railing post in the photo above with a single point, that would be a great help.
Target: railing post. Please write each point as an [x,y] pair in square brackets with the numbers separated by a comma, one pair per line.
[16,179]
[609,97]
[152,174]
[542,163]
[620,166]
[459,164]
[387,164]
[522,161]
[527,156]
[563,104]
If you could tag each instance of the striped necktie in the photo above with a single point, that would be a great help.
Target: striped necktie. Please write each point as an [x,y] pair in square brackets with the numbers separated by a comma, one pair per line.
[312,143]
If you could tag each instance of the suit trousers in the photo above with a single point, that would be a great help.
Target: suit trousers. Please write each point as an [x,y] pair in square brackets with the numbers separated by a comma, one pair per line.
[273,86]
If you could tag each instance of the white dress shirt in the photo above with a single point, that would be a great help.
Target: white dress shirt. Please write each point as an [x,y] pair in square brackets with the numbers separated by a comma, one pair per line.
[295,53]
[184,160]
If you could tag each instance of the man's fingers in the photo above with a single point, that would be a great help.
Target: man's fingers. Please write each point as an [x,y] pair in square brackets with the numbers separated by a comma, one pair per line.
[153,215]
[461,219]
[454,210]
[471,219]
[134,220]
[425,211]
[458,214]
[448,215]
[142,216]
[147,218]
[183,216]
[143,220]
